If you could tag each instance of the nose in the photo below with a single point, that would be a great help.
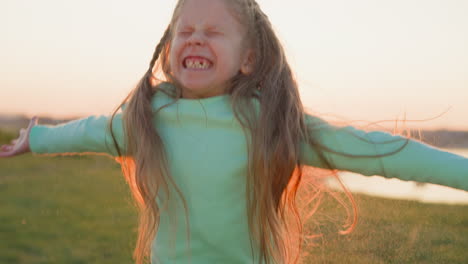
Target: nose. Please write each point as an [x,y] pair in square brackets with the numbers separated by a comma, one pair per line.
[196,39]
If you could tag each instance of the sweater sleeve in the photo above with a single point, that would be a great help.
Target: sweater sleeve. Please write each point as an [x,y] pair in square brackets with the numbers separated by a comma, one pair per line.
[402,158]
[86,135]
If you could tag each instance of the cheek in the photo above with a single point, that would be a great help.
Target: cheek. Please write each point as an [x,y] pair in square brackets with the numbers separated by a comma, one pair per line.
[226,52]
[172,59]
[173,56]
[232,57]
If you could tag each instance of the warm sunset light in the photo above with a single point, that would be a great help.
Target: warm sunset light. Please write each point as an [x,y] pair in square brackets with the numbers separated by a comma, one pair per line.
[359,59]
[373,168]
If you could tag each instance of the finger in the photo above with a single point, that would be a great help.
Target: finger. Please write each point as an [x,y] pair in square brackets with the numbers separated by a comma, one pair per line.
[21,132]
[5,147]
[5,151]
[33,122]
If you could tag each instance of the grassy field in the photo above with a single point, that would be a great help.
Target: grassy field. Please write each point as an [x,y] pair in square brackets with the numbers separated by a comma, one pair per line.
[78,210]
[64,210]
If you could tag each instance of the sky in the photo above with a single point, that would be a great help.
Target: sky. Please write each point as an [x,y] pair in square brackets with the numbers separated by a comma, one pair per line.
[354,60]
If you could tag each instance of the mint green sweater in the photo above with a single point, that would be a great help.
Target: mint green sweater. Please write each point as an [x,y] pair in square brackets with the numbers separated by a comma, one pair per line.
[207,155]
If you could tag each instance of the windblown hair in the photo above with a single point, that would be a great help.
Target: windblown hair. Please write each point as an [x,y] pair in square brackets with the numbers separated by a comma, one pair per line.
[275,134]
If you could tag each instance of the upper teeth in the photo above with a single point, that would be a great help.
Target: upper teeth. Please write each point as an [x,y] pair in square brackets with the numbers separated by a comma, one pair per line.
[197,64]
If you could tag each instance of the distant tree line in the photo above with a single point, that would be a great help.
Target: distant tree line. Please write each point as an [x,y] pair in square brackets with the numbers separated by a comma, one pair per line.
[9,127]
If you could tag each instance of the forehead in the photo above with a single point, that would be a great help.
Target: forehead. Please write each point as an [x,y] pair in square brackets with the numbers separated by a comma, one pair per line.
[212,13]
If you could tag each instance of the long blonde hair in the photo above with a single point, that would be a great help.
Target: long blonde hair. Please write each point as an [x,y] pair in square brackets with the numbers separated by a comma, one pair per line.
[275,168]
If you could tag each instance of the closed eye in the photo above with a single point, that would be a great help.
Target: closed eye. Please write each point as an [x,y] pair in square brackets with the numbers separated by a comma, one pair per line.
[184,33]
[213,33]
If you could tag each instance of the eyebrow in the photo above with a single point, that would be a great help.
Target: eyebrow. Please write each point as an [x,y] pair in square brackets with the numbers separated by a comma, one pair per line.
[209,27]
[213,28]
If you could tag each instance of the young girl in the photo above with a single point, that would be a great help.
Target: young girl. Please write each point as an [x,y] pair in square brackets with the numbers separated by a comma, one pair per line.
[214,138]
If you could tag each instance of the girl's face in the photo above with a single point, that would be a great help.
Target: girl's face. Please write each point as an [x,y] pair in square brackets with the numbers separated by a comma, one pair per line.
[207,48]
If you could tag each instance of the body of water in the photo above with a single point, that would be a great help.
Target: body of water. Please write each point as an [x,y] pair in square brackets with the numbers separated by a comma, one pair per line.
[394,188]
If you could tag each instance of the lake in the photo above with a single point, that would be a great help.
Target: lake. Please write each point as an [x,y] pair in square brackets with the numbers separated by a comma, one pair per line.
[394,188]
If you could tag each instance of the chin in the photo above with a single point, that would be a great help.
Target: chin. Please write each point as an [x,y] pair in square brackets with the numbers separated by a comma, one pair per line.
[196,87]
[193,91]
[193,87]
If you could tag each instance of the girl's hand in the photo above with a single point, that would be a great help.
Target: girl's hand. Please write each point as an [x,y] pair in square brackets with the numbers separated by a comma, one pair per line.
[21,144]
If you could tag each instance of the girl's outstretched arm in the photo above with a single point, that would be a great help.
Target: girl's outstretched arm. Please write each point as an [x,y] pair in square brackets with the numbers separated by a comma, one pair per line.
[21,144]
[87,135]
[380,153]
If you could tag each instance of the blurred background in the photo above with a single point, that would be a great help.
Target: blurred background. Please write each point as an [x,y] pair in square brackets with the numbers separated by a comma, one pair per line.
[399,63]
[357,62]
[362,59]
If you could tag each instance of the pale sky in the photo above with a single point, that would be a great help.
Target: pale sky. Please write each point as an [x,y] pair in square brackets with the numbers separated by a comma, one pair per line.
[359,59]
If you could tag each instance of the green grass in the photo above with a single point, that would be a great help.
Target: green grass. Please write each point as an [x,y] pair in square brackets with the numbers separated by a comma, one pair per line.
[64,210]
[6,137]
[396,231]
[78,210]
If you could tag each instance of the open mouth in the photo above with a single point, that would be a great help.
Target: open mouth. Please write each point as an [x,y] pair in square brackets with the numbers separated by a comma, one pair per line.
[197,63]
